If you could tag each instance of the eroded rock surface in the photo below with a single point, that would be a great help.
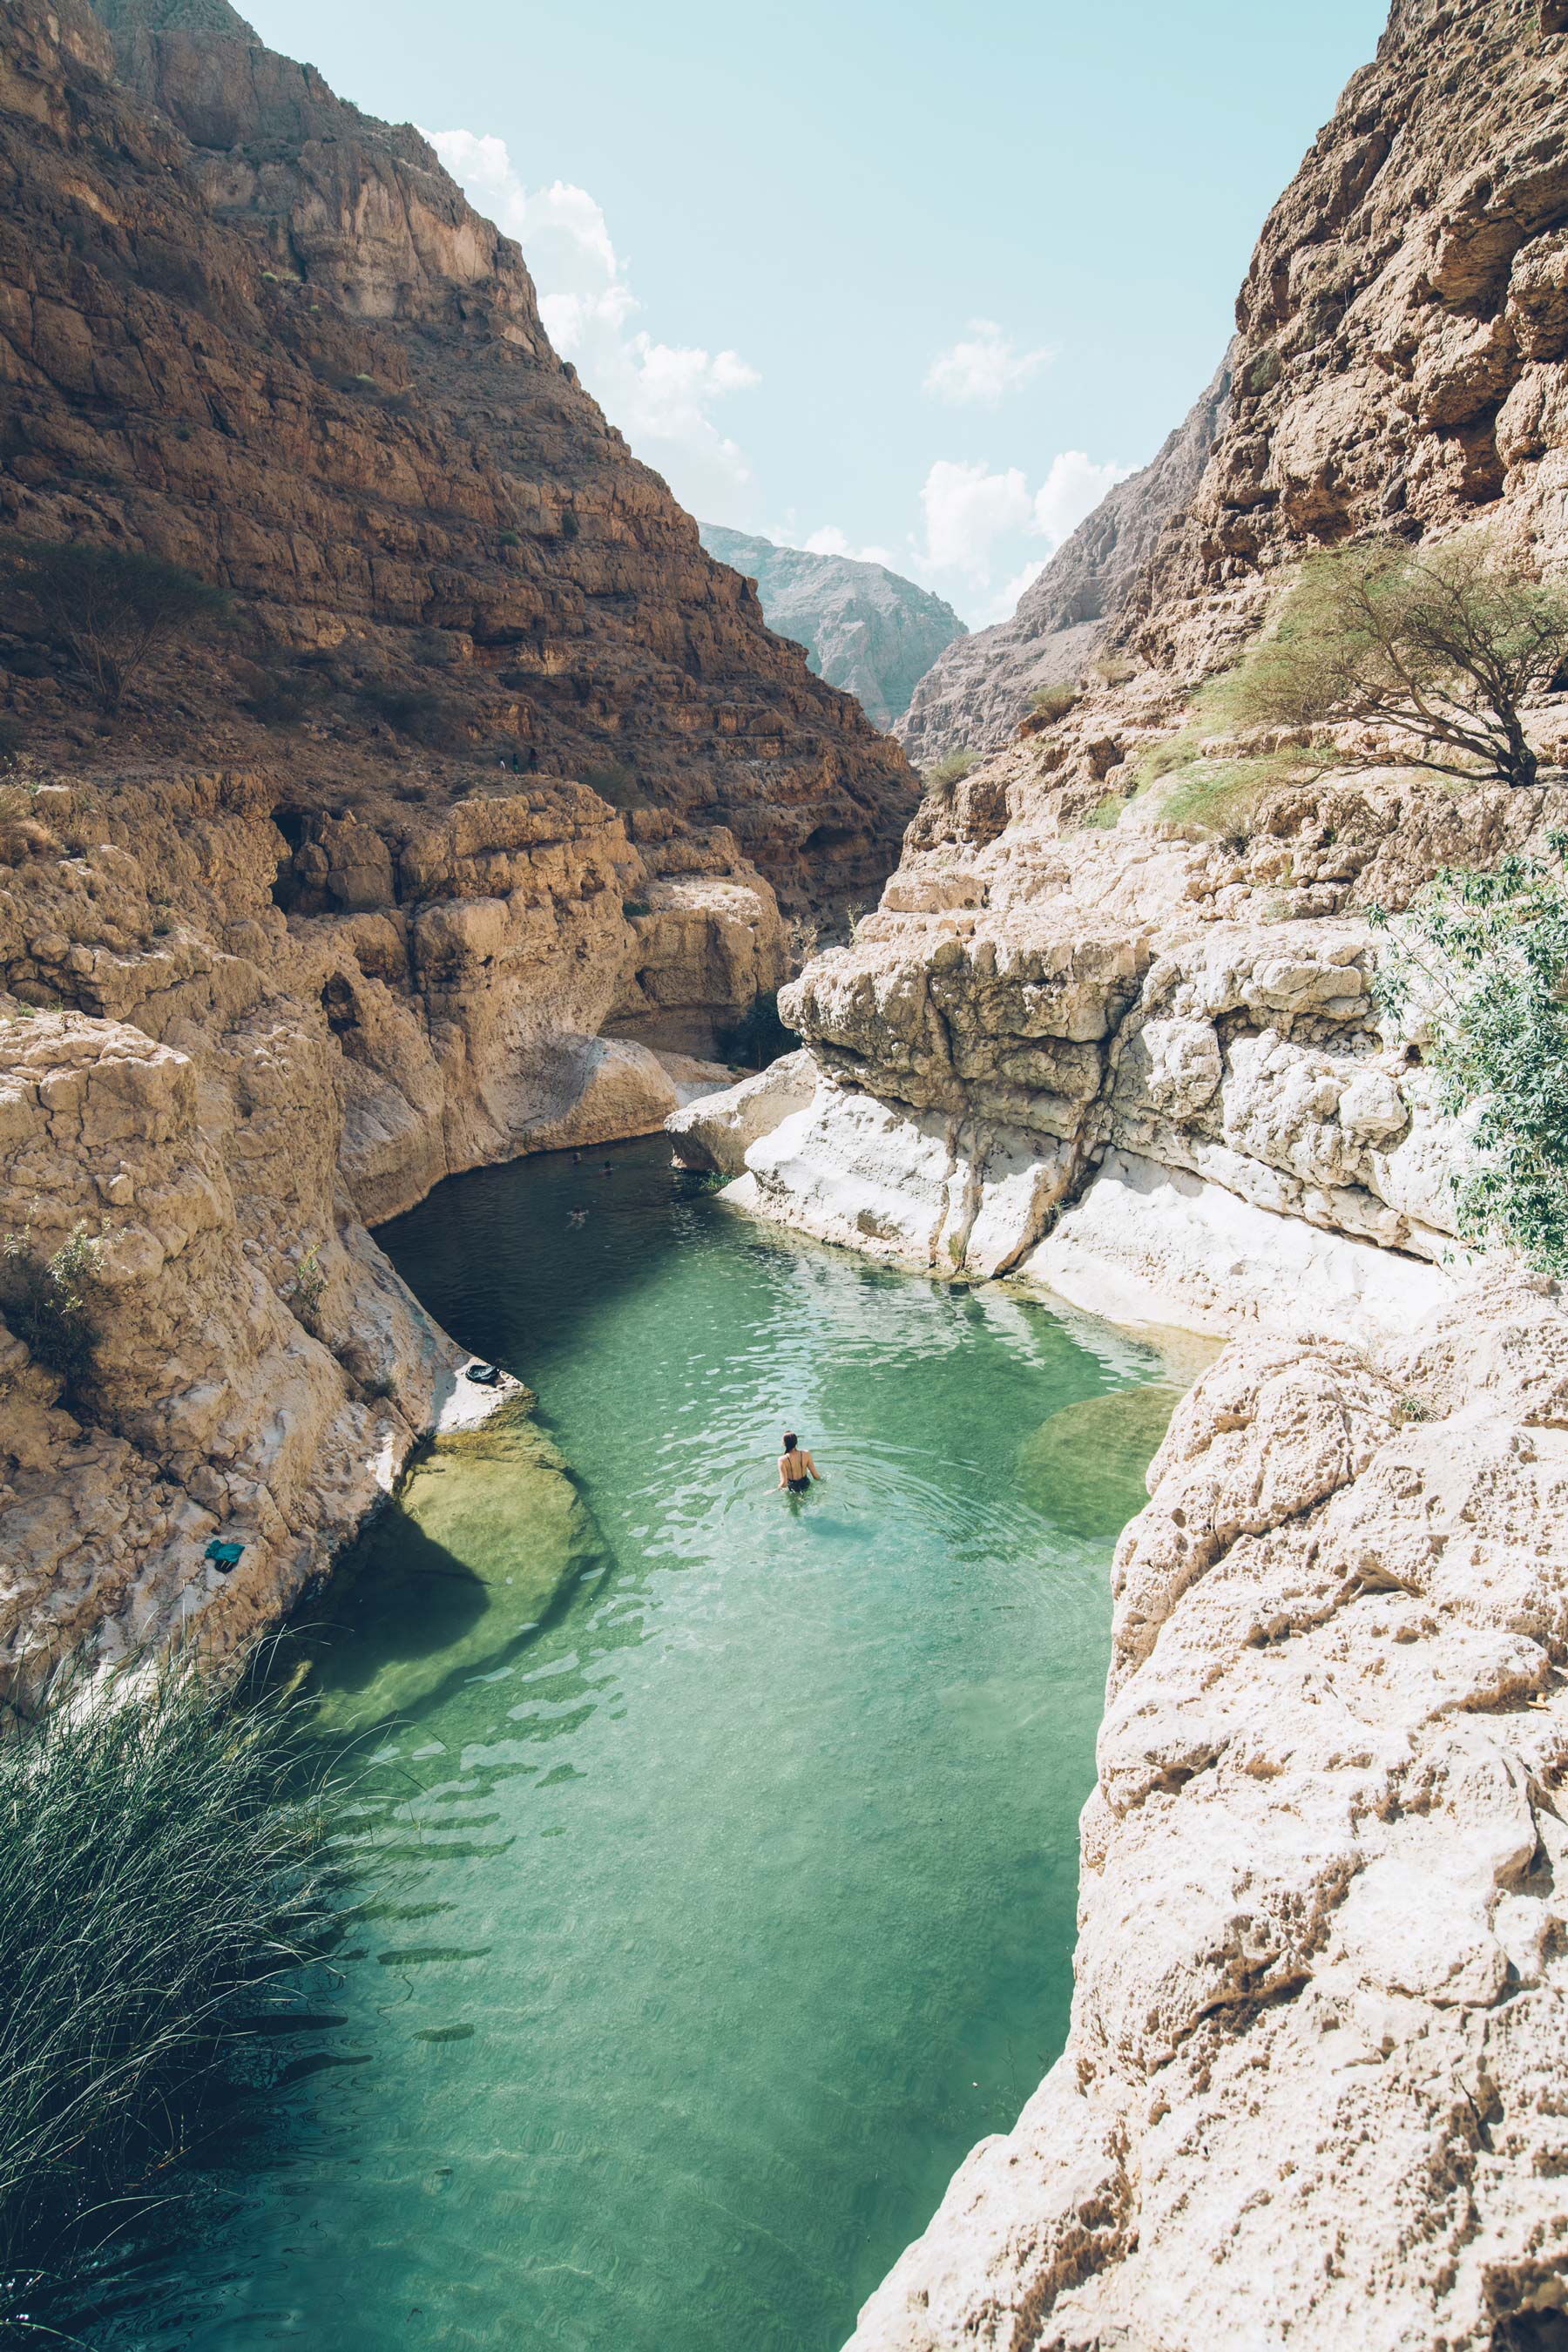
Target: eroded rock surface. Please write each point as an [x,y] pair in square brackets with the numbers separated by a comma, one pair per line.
[457,839]
[224,1053]
[249,327]
[1312,2092]
[973,695]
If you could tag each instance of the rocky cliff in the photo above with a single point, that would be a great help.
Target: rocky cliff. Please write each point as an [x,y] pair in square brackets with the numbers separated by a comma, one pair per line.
[973,697]
[1119,1041]
[247,328]
[444,848]
[863,628]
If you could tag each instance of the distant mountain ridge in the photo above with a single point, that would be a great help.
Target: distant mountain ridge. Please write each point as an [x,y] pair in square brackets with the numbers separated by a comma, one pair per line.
[864,628]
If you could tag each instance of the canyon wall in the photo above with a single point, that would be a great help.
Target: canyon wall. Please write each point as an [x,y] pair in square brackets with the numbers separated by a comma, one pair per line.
[973,696]
[471,819]
[1112,1033]
[247,328]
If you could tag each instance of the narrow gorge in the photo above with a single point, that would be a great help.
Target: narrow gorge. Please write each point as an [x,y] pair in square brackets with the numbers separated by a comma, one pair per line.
[491,820]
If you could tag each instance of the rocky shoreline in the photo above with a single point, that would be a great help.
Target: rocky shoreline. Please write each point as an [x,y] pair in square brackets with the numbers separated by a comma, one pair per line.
[1311,2090]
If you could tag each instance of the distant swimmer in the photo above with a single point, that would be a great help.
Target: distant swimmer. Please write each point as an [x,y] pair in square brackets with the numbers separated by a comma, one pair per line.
[796,1468]
[577,1217]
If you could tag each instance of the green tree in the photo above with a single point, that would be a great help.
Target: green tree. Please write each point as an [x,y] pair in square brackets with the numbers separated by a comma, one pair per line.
[108,609]
[1445,645]
[1482,959]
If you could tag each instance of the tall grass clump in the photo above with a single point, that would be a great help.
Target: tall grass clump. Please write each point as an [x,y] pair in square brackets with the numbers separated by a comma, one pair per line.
[950,772]
[166,1849]
[1054,701]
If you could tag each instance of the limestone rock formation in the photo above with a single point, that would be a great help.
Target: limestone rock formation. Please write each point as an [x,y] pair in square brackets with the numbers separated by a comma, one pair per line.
[445,848]
[250,329]
[1144,1072]
[973,697]
[278,1042]
[1130,1052]
[863,628]
[1313,2093]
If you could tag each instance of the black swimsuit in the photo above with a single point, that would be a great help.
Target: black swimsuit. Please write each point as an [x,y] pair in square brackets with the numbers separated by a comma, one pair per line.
[800,1486]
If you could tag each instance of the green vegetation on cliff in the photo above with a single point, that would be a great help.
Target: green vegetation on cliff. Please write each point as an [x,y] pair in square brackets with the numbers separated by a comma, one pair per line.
[1479,970]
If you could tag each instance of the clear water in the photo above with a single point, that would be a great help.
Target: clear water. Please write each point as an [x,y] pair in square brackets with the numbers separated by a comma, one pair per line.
[734,1839]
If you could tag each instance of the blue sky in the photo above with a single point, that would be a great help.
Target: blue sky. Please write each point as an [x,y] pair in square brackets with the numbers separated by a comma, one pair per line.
[916,280]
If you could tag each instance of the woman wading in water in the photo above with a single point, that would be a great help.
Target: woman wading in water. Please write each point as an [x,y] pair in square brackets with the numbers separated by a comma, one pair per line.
[796,1468]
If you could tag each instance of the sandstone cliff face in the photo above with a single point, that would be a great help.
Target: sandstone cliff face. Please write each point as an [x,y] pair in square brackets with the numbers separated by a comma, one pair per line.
[256,998]
[863,628]
[247,328]
[276,1044]
[973,697]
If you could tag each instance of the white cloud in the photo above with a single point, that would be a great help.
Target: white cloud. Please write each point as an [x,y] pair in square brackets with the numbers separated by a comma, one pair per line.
[978,525]
[831,540]
[967,510]
[660,394]
[1073,489]
[1001,604]
[981,370]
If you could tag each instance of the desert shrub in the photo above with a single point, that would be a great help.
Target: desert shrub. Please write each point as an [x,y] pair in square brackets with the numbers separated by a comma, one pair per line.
[1264,370]
[1051,702]
[1103,816]
[633,907]
[804,934]
[165,1850]
[759,1036]
[1218,795]
[278,698]
[1482,958]
[415,711]
[309,1287]
[950,772]
[107,609]
[612,782]
[511,539]
[1443,647]
[1113,669]
[51,1303]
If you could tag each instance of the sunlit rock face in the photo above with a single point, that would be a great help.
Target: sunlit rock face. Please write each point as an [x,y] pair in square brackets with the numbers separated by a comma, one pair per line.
[975,693]
[254,331]
[470,824]
[1311,2088]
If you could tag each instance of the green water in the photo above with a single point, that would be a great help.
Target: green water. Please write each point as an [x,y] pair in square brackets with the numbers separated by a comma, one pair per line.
[732,1839]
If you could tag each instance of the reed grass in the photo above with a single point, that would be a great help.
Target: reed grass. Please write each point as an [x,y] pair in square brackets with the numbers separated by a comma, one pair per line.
[167,1847]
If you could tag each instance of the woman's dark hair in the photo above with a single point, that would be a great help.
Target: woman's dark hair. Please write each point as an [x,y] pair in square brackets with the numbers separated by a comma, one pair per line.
[790,1441]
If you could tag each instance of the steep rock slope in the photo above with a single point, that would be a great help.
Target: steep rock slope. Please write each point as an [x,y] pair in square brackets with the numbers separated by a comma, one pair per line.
[864,628]
[249,327]
[268,972]
[973,697]
[240,1091]
[1313,2090]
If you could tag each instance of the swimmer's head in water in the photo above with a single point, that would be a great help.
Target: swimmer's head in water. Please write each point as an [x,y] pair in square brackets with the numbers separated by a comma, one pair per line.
[790,1441]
